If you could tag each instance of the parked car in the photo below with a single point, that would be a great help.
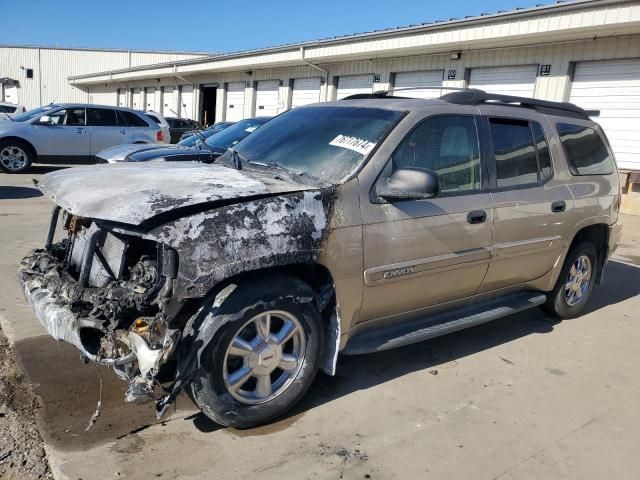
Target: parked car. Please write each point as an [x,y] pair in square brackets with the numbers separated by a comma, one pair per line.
[70,133]
[8,110]
[178,126]
[199,149]
[353,226]
[207,132]
[164,125]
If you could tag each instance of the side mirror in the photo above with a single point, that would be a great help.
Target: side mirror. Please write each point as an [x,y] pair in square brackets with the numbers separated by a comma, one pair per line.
[44,120]
[411,184]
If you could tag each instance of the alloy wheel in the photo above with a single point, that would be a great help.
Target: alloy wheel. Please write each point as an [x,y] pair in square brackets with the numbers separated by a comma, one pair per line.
[578,281]
[13,158]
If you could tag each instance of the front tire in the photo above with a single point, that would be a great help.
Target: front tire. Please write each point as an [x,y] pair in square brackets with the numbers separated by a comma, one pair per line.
[262,362]
[15,156]
[573,288]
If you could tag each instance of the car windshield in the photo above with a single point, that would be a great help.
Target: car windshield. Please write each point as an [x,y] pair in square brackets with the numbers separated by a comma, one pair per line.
[236,132]
[36,112]
[192,139]
[326,142]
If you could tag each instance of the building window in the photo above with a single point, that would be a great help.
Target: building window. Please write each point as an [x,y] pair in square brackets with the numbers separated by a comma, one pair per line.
[29,72]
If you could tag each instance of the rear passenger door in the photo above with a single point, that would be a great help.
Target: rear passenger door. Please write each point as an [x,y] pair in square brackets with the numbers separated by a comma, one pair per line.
[105,131]
[531,203]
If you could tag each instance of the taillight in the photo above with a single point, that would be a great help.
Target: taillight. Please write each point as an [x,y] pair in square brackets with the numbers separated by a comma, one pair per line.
[160,136]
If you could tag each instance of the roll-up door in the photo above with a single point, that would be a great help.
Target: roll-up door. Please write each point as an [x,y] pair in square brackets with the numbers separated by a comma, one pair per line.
[235,101]
[267,98]
[186,101]
[354,84]
[519,80]
[415,80]
[305,91]
[136,98]
[150,99]
[168,102]
[122,97]
[613,87]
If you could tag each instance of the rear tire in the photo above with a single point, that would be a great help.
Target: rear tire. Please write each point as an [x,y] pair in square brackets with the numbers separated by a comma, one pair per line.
[15,156]
[250,374]
[573,288]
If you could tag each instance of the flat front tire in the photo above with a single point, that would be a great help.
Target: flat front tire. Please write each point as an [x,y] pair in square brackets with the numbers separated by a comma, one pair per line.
[265,356]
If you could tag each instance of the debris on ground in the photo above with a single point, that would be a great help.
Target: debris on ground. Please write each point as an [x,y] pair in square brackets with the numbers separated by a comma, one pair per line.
[22,454]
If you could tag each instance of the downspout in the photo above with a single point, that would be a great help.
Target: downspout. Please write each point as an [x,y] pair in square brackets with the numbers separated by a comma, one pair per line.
[326,72]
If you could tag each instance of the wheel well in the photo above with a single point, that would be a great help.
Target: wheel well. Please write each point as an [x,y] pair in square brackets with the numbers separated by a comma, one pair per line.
[24,142]
[598,236]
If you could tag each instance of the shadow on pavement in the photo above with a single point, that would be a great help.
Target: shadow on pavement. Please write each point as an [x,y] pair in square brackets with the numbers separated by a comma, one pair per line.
[16,193]
[70,390]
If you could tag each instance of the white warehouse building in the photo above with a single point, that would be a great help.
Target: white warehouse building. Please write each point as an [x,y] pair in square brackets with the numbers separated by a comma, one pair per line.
[583,51]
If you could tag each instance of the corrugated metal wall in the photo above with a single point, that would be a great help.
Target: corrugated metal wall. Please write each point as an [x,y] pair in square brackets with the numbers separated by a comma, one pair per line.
[52,66]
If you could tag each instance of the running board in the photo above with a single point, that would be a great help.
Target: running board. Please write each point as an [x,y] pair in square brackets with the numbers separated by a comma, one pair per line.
[442,323]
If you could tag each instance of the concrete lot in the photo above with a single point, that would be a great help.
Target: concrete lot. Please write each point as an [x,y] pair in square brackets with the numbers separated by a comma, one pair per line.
[518,398]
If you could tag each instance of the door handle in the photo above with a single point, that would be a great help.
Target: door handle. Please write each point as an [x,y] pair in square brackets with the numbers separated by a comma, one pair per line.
[476,216]
[123,131]
[79,130]
[559,206]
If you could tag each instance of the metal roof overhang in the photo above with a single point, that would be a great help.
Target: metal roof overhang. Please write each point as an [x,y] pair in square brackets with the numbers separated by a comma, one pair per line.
[525,27]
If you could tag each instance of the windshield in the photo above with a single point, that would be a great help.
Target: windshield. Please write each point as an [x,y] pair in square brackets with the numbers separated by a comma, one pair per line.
[36,112]
[236,132]
[325,142]
[191,140]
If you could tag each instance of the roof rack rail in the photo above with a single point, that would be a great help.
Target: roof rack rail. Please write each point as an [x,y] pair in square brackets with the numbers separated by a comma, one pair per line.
[475,97]
[388,93]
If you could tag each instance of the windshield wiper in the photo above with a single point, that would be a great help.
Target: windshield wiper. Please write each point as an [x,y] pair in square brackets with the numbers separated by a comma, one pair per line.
[237,159]
[8,116]
[277,166]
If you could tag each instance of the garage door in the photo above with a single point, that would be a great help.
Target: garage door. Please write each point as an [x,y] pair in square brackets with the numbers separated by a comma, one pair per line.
[10,93]
[122,97]
[415,80]
[150,98]
[517,80]
[186,101]
[235,101]
[305,91]
[168,102]
[267,98]
[613,87]
[136,98]
[354,84]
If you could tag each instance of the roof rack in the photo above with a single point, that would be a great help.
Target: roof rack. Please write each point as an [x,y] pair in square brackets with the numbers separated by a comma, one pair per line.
[475,97]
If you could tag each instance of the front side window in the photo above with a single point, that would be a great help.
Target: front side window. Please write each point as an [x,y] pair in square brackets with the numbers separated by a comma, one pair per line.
[68,117]
[325,142]
[101,117]
[585,150]
[446,145]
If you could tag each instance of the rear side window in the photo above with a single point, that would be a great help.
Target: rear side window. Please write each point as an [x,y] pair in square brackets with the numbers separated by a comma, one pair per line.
[153,118]
[132,120]
[446,145]
[585,150]
[101,117]
[515,153]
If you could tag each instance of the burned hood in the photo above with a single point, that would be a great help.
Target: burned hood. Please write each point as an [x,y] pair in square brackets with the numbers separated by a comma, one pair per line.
[135,193]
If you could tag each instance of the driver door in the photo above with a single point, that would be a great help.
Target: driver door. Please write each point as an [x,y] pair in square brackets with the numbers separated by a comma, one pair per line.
[65,136]
[423,252]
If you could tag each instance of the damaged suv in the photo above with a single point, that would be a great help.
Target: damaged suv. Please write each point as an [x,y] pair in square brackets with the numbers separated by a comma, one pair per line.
[353,226]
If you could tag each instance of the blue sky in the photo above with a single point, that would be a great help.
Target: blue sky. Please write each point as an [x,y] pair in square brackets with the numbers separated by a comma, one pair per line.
[216,26]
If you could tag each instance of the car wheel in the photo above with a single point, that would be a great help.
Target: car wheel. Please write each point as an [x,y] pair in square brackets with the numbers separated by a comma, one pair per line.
[15,156]
[576,281]
[260,363]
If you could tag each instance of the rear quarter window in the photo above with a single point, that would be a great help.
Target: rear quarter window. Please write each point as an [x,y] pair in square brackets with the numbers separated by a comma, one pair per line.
[585,151]
[133,120]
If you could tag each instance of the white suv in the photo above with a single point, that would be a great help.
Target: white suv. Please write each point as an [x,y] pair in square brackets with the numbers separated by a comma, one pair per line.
[70,133]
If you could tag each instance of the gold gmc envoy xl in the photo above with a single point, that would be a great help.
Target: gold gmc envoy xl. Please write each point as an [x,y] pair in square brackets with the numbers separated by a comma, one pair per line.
[346,227]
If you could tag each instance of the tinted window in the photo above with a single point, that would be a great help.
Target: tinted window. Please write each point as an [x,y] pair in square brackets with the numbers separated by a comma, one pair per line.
[326,142]
[447,145]
[132,120]
[542,147]
[153,118]
[515,154]
[68,116]
[585,151]
[232,135]
[101,117]
[7,109]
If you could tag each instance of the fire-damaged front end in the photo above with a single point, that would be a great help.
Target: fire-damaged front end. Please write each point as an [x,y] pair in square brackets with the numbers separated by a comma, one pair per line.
[139,249]
[106,292]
